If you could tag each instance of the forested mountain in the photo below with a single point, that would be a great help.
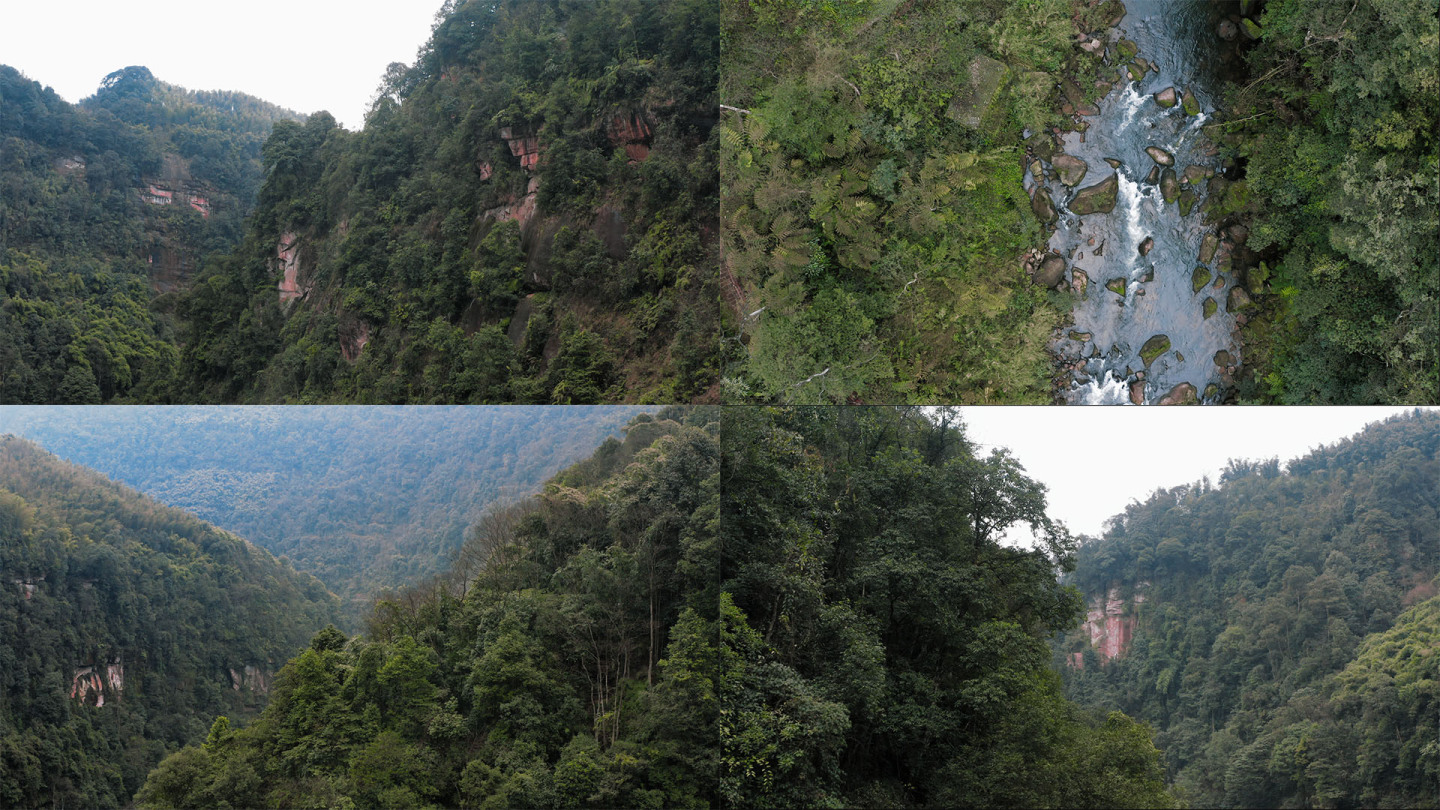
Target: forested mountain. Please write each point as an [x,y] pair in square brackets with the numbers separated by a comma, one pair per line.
[874,208]
[881,646]
[529,214]
[106,210]
[363,498]
[1337,136]
[125,627]
[569,659]
[1278,630]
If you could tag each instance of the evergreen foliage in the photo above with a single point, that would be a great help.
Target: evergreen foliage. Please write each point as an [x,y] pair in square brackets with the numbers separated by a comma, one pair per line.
[435,264]
[1281,649]
[98,583]
[881,647]
[1340,143]
[81,251]
[567,659]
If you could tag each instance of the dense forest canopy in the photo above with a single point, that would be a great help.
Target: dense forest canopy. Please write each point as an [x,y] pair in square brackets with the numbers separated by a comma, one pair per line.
[567,660]
[1283,625]
[124,626]
[1336,132]
[106,209]
[874,213]
[881,646]
[363,498]
[529,214]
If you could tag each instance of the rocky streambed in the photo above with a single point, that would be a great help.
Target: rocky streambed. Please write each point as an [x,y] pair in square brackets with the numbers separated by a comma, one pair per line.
[1134,190]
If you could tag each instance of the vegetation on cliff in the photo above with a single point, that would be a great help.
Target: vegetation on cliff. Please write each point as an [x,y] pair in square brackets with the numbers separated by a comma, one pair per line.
[874,213]
[124,627]
[102,205]
[363,498]
[1340,150]
[882,646]
[568,659]
[529,214]
[1284,651]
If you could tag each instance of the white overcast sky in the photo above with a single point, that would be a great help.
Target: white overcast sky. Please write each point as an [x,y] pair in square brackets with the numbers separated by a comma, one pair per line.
[1095,459]
[308,55]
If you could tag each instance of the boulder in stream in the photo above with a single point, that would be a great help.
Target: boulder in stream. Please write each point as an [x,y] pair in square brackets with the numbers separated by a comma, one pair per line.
[1209,307]
[1194,174]
[1169,186]
[1224,358]
[1117,286]
[1146,246]
[1079,336]
[1154,176]
[1137,392]
[1153,348]
[1227,30]
[1071,169]
[1051,271]
[1136,72]
[1167,98]
[1200,278]
[1042,206]
[1079,280]
[1096,199]
[1114,164]
[1182,394]
[1190,103]
[1160,156]
[1208,246]
[1238,300]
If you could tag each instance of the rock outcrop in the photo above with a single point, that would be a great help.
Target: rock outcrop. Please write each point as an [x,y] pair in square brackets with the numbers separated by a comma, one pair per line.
[523,146]
[631,132]
[287,264]
[250,678]
[1110,623]
[96,680]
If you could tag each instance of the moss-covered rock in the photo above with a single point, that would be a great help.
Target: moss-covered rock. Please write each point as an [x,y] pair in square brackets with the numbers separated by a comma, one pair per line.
[1126,49]
[1187,201]
[1238,300]
[1209,307]
[1080,336]
[1096,199]
[1208,246]
[1167,98]
[1252,29]
[1136,72]
[1211,391]
[1199,278]
[1153,348]
[1117,286]
[1190,103]
[1160,156]
[1224,358]
[969,105]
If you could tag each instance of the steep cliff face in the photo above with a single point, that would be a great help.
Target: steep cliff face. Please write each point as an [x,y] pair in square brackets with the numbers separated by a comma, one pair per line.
[1109,623]
[92,683]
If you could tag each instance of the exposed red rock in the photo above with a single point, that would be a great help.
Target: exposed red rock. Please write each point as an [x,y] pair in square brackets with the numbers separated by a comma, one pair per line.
[287,254]
[525,147]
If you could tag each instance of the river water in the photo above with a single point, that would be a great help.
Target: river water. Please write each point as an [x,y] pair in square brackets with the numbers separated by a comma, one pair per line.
[1178,39]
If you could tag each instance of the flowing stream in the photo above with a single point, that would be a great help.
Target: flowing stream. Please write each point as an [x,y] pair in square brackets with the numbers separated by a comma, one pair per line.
[1177,38]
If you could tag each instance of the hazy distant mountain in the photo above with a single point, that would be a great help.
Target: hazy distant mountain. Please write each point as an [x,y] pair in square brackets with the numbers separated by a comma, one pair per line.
[364,498]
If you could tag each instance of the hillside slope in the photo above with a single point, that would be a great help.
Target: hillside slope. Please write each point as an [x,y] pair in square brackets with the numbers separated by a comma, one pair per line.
[124,627]
[568,660]
[107,208]
[529,215]
[1223,617]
